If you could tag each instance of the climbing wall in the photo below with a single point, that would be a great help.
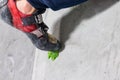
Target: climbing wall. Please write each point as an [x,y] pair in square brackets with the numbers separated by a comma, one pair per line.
[16,54]
[91,34]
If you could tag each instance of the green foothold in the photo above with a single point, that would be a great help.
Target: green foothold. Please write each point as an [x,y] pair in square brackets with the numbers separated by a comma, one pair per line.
[49,54]
[53,55]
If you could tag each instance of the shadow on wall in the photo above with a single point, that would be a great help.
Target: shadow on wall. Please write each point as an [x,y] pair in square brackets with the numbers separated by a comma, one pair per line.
[69,22]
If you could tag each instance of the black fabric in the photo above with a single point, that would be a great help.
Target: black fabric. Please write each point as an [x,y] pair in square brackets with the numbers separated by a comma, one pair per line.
[33,19]
[43,27]
[29,20]
[54,4]
[37,4]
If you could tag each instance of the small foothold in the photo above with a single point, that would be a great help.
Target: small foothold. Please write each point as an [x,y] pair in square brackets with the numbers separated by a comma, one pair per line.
[53,55]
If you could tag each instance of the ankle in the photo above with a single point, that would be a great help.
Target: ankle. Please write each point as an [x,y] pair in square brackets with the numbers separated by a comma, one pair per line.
[24,7]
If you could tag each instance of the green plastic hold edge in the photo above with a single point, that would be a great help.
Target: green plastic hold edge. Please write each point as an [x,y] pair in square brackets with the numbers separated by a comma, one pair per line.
[53,55]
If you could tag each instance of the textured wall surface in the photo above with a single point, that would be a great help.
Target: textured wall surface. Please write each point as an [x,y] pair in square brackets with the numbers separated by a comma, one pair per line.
[16,54]
[91,33]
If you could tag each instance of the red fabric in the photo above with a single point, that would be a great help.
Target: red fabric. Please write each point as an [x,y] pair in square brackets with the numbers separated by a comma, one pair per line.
[17,15]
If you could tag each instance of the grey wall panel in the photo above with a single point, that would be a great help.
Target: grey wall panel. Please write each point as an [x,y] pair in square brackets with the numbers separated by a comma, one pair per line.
[16,54]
